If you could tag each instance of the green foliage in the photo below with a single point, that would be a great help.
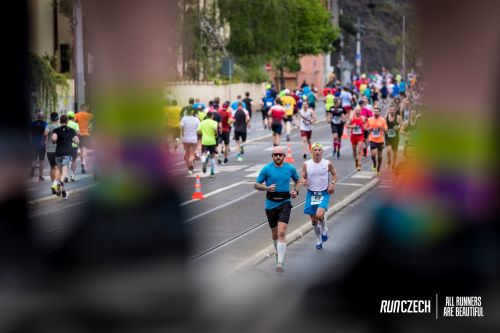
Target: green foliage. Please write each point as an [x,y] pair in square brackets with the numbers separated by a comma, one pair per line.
[277,30]
[44,83]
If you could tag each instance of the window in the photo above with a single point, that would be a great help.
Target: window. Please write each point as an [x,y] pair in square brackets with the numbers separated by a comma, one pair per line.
[65,58]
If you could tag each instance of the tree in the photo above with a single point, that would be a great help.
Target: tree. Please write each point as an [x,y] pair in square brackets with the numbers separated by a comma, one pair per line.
[280,31]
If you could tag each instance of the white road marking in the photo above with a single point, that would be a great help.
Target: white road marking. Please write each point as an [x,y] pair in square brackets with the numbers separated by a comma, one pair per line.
[350,184]
[364,175]
[222,206]
[222,189]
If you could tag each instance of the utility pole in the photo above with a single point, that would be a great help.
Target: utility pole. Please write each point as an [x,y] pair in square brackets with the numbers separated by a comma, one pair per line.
[80,70]
[358,47]
[403,63]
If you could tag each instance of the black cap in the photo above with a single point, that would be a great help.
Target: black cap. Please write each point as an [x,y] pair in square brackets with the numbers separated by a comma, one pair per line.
[54,116]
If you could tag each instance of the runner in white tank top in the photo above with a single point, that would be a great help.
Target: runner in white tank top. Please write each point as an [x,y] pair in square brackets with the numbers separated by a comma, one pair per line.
[307,119]
[315,176]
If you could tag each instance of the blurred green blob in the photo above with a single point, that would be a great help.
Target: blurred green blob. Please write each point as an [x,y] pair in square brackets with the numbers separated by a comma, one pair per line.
[458,143]
[131,112]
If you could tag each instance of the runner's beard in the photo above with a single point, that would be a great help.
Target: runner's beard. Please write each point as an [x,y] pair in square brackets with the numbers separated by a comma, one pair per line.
[278,161]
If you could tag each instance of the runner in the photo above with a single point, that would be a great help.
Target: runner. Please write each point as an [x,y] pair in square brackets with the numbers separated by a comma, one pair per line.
[375,126]
[188,127]
[392,137]
[346,99]
[83,118]
[208,130]
[276,176]
[410,128]
[172,112]
[405,109]
[38,140]
[226,120]
[307,119]
[241,120]
[51,150]
[187,108]
[366,111]
[336,118]
[267,103]
[312,98]
[289,104]
[315,174]
[275,118]
[357,126]
[247,102]
[74,155]
[329,100]
[234,105]
[63,136]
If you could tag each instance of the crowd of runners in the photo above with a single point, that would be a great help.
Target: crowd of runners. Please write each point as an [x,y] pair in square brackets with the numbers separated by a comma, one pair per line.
[377,112]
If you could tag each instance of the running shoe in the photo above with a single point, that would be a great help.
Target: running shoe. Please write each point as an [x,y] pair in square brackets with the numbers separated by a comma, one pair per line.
[358,168]
[280,267]
[219,161]
[242,151]
[190,172]
[41,179]
[204,167]
[83,168]
[72,178]
[378,173]
[225,160]
[53,188]
[66,179]
[305,156]
[58,189]
[338,154]
[212,174]
[319,246]
[324,237]
[240,159]
[287,137]
[374,168]
[64,194]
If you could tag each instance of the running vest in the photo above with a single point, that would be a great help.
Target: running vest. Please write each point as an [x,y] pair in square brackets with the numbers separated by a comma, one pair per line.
[391,132]
[358,128]
[317,175]
[305,124]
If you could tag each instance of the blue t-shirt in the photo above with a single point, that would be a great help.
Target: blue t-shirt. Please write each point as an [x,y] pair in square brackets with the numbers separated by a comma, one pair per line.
[234,105]
[280,176]
[402,86]
[306,90]
[195,105]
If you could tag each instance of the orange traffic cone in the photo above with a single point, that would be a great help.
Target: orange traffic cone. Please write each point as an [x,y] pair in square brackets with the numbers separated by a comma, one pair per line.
[344,135]
[289,156]
[197,190]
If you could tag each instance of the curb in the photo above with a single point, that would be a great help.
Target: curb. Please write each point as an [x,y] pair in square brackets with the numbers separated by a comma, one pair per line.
[300,232]
[54,197]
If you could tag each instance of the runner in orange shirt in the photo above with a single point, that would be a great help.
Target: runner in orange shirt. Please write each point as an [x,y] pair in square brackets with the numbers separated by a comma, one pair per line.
[377,126]
[83,118]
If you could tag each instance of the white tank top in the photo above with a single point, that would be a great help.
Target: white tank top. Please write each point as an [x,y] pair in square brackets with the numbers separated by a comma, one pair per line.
[317,175]
[305,124]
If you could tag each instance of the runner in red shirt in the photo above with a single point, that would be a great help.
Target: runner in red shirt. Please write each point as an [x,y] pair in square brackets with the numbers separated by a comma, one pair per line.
[357,126]
[226,116]
[275,118]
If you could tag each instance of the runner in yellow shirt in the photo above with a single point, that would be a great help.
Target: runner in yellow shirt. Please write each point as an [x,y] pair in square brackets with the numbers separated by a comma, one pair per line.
[288,104]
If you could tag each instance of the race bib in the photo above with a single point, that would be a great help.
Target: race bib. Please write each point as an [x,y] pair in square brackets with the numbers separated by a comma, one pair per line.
[336,120]
[376,132]
[391,133]
[269,104]
[356,130]
[287,106]
[316,198]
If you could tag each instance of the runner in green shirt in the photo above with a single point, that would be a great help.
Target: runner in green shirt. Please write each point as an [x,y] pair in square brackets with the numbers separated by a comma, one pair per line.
[208,130]
[74,125]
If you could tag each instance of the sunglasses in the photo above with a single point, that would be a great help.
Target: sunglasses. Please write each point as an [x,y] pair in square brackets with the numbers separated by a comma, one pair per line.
[278,155]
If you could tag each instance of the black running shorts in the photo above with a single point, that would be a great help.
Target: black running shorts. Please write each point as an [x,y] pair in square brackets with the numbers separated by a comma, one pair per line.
[281,214]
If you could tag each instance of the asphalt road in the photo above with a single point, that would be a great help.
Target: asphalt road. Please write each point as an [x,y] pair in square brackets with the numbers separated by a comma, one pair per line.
[229,225]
